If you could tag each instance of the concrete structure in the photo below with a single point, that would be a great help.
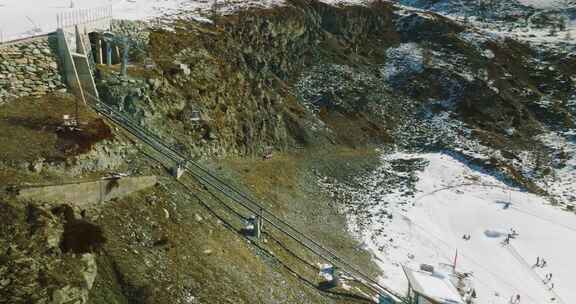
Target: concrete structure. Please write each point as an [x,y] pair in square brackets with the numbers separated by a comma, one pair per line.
[76,57]
[75,50]
[84,194]
[430,288]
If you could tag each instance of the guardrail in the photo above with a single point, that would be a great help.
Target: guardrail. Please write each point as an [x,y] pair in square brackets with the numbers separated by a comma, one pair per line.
[84,17]
[208,179]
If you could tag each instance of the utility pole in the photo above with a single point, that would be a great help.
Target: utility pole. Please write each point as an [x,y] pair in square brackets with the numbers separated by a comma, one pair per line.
[124,70]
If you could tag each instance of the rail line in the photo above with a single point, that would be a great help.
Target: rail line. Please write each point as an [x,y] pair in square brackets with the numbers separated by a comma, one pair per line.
[208,179]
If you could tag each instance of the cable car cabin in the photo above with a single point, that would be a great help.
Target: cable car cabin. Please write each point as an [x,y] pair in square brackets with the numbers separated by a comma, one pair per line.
[430,288]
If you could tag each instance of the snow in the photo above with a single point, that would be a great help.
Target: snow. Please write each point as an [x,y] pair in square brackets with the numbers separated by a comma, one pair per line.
[24,18]
[451,198]
[403,60]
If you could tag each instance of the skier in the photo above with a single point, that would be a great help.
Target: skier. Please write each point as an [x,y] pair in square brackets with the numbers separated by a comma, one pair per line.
[551,286]
[543,264]
[537,262]
[515,299]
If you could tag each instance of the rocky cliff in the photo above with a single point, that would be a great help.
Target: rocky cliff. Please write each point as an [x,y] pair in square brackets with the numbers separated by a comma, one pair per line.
[327,88]
[311,74]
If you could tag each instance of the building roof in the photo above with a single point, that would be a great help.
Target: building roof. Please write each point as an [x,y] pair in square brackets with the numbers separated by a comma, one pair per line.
[434,287]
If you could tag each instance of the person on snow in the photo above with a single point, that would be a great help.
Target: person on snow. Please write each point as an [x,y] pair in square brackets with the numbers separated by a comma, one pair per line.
[515,299]
[548,278]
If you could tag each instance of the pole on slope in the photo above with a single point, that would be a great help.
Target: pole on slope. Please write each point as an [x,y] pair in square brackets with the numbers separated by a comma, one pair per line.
[124,69]
[455,260]
[259,224]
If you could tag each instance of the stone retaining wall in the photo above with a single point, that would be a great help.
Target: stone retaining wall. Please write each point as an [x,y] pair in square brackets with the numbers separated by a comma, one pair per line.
[29,68]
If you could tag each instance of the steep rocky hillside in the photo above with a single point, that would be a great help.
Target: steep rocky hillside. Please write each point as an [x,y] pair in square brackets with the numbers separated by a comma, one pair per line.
[311,74]
[331,91]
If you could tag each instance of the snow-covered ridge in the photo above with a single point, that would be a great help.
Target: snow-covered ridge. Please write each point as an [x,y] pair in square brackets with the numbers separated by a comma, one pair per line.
[415,209]
[25,18]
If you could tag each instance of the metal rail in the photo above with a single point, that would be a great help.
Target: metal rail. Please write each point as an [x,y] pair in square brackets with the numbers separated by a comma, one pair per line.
[208,179]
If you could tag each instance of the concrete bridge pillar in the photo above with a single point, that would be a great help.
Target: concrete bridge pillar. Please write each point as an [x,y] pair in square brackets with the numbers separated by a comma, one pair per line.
[98,49]
[108,53]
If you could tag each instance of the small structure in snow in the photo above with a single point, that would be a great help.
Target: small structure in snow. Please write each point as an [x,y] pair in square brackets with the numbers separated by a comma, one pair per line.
[430,288]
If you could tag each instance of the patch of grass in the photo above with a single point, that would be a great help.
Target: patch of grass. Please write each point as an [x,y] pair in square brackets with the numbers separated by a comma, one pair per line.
[287,186]
[152,258]
[30,129]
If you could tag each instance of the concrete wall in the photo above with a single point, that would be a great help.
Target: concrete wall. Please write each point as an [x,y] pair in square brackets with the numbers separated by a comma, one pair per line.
[88,193]
[29,68]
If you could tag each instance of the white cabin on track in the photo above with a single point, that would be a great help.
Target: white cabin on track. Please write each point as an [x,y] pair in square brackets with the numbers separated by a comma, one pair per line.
[430,288]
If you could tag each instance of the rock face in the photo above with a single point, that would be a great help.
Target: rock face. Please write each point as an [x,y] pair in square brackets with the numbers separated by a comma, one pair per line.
[33,268]
[224,89]
[29,68]
[310,74]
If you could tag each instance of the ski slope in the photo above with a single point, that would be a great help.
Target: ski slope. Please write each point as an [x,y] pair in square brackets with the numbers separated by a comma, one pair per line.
[453,199]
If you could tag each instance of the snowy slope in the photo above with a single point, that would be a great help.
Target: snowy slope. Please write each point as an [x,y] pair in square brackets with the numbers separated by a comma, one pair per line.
[24,18]
[542,3]
[422,220]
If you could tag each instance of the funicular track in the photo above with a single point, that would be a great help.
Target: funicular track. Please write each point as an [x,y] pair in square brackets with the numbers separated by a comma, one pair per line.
[170,157]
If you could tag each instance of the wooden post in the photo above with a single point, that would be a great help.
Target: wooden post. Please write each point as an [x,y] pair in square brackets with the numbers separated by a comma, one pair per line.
[124,69]
[258,225]
[455,260]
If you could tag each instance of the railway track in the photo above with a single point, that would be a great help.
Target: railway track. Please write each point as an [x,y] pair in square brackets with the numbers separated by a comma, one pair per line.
[171,157]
